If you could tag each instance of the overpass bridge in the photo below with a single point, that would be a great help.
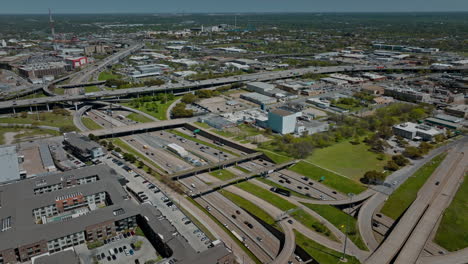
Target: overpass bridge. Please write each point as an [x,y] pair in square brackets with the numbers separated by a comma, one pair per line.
[256,173]
[263,76]
[66,86]
[219,165]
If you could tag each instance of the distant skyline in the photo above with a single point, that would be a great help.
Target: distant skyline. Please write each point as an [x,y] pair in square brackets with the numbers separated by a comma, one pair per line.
[220,6]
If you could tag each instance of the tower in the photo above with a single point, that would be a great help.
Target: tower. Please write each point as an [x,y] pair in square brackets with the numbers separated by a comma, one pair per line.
[52,30]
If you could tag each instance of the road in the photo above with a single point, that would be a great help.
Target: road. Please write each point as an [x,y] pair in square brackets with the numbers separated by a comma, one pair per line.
[262,76]
[426,195]
[415,244]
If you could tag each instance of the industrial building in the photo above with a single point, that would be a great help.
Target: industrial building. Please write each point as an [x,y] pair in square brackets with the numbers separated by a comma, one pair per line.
[76,62]
[258,98]
[406,94]
[282,121]
[415,131]
[311,127]
[39,70]
[82,147]
[217,122]
[458,111]
[269,90]
[10,165]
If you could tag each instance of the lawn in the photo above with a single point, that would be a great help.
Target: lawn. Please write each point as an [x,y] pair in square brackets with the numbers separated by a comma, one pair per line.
[223,175]
[277,158]
[347,159]
[332,180]
[90,89]
[106,75]
[90,124]
[161,111]
[244,170]
[453,230]
[33,95]
[339,219]
[402,198]
[41,119]
[266,195]
[250,207]
[313,224]
[139,118]
[321,253]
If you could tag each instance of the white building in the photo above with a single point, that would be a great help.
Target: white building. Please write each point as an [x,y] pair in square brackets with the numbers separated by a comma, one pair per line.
[414,131]
[282,121]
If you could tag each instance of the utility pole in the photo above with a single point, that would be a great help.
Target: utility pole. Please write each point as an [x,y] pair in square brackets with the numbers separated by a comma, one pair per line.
[343,258]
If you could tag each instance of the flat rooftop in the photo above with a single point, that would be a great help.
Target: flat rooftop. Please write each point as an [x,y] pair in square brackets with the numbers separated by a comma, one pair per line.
[9,164]
[17,201]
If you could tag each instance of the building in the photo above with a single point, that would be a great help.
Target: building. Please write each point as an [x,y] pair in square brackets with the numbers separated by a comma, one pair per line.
[373,76]
[406,94]
[217,122]
[373,89]
[442,123]
[258,98]
[39,70]
[311,127]
[334,81]
[458,111]
[318,102]
[76,62]
[261,88]
[282,121]
[383,100]
[83,147]
[9,164]
[347,78]
[95,49]
[414,131]
[52,213]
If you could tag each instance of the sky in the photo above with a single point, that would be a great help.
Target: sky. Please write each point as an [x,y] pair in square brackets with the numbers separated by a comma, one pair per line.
[207,6]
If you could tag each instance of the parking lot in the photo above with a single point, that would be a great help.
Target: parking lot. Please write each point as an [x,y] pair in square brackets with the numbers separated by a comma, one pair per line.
[119,251]
[149,193]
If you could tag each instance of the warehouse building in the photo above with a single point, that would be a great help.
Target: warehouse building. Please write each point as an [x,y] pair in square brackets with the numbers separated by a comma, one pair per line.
[258,98]
[39,70]
[406,94]
[282,121]
[10,165]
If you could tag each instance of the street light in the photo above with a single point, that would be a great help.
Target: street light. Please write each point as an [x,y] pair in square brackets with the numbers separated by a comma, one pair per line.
[350,195]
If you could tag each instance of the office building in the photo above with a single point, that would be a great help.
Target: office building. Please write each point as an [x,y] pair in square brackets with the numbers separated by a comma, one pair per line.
[82,147]
[414,131]
[39,70]
[406,94]
[458,111]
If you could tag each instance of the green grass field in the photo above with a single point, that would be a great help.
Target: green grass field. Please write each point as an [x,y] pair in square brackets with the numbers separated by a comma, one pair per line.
[251,207]
[41,119]
[339,219]
[277,158]
[139,118]
[332,180]
[354,160]
[407,192]
[453,229]
[106,75]
[90,124]
[321,253]
[313,224]
[161,111]
[91,89]
[223,175]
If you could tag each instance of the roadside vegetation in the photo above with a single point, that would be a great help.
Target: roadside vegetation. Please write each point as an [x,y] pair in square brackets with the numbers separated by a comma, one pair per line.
[402,198]
[340,219]
[139,118]
[223,174]
[452,233]
[58,117]
[90,123]
[153,105]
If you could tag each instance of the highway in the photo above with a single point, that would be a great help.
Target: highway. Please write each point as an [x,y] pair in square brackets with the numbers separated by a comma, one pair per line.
[262,76]
[426,196]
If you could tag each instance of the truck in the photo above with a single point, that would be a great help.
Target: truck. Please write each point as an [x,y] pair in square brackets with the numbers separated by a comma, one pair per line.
[281,191]
[237,236]
[117,154]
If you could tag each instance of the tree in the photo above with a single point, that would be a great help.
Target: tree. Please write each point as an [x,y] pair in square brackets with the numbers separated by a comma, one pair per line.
[189,98]
[392,166]
[117,149]
[91,136]
[110,146]
[141,164]
[400,160]
[24,115]
[373,177]
[301,149]
[424,148]
[412,152]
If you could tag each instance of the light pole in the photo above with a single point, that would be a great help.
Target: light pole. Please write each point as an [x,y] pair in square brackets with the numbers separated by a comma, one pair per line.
[343,258]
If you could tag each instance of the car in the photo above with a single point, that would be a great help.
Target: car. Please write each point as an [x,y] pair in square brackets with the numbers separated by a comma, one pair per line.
[98,257]
[437,183]
[132,245]
[170,204]
[156,191]
[185,219]
[188,222]
[281,181]
[114,257]
[120,249]
[109,258]
[103,255]
[299,187]
[234,216]
[132,232]
[208,208]
[311,183]
[145,181]
[105,241]
[125,235]
[203,238]
[259,239]
[290,221]
[151,187]
[237,212]
[139,193]
[137,261]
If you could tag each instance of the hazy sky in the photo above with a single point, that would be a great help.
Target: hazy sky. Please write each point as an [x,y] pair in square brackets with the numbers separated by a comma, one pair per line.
[188,6]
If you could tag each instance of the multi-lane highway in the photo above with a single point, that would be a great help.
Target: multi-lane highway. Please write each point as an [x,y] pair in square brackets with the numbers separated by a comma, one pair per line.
[441,181]
[262,76]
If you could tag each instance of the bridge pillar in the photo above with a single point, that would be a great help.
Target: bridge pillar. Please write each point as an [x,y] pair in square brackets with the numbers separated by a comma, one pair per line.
[30,109]
[14,111]
[48,109]
[76,106]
